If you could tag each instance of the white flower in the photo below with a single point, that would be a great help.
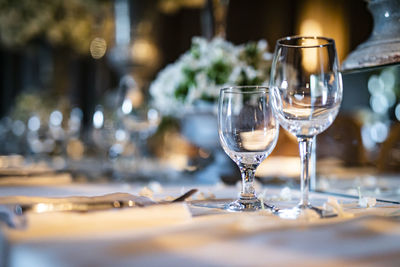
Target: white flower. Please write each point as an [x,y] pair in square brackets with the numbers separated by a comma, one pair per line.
[250,72]
[208,66]
[235,74]
[262,45]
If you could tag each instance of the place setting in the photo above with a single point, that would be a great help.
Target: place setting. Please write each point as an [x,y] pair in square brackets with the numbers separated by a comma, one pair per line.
[199,133]
[303,97]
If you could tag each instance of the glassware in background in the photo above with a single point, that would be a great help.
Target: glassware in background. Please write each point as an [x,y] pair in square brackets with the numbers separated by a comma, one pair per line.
[248,133]
[306,91]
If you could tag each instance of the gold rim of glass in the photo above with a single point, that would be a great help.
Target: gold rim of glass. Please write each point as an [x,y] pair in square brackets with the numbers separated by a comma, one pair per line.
[250,89]
[286,41]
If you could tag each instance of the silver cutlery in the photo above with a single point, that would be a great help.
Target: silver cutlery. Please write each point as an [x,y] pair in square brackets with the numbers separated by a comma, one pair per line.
[14,214]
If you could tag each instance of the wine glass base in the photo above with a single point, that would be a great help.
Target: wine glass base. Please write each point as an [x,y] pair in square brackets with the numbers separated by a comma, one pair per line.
[248,205]
[305,212]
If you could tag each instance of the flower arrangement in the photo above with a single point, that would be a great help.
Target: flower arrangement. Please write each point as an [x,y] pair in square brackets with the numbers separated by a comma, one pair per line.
[197,76]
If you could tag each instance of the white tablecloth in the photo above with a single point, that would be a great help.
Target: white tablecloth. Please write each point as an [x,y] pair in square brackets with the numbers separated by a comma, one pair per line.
[170,236]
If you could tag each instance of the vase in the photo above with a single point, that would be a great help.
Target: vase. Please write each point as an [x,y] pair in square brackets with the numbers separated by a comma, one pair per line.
[383,46]
[200,127]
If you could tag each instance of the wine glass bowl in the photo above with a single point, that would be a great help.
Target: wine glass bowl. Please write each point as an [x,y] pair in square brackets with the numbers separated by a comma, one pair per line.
[248,133]
[306,92]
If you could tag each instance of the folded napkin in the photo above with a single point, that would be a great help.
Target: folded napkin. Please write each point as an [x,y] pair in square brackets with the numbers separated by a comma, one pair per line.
[25,200]
[73,225]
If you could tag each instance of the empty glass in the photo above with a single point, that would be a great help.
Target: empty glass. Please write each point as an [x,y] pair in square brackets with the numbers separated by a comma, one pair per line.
[306,92]
[248,133]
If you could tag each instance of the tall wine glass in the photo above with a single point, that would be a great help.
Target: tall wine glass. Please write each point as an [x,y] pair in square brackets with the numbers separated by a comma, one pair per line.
[306,92]
[248,132]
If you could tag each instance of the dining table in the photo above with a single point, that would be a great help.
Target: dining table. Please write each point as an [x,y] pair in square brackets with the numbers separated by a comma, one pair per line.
[139,224]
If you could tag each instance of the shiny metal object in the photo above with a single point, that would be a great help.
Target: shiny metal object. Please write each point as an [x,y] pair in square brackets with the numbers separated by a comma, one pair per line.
[383,46]
[97,205]
[14,215]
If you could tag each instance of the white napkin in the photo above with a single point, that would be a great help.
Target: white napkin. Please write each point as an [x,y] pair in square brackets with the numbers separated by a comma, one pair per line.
[115,222]
[76,199]
[64,225]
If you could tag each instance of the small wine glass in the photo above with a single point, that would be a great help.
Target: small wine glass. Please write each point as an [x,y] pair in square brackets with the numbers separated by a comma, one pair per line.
[248,132]
[306,92]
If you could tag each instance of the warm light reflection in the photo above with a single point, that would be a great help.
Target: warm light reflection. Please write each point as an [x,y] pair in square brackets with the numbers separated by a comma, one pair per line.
[135,96]
[177,161]
[172,6]
[310,55]
[288,167]
[41,207]
[75,149]
[325,18]
[311,27]
[257,140]
[98,48]
[144,51]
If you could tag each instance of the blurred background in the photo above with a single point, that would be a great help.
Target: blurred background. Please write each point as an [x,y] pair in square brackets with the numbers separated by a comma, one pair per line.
[76,92]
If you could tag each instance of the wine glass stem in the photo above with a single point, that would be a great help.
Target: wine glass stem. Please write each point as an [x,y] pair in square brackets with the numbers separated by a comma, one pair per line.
[248,191]
[305,146]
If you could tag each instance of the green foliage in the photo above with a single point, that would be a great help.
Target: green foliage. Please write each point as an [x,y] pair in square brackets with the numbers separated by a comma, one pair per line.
[219,72]
[189,81]
[207,98]
[251,55]
[195,51]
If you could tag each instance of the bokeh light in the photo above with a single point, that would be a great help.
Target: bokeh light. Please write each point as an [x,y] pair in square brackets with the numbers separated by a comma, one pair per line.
[375,85]
[379,132]
[56,118]
[379,103]
[397,112]
[98,48]
[98,119]
[126,106]
[120,135]
[34,123]
[18,128]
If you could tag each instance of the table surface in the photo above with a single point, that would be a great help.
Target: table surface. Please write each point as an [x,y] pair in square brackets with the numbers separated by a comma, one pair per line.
[185,234]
